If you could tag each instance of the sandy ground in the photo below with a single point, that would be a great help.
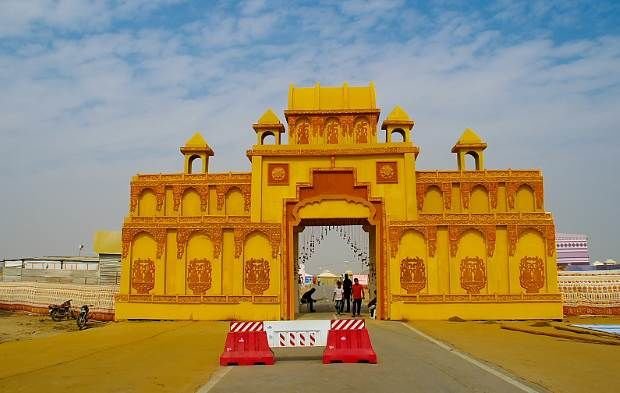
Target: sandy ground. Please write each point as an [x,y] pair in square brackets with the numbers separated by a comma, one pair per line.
[18,326]
[558,364]
[45,356]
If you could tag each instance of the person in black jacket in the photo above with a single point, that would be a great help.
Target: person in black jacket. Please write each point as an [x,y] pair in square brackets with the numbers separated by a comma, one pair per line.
[307,299]
[347,284]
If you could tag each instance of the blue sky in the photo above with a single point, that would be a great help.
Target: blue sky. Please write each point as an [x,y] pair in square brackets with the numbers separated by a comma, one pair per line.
[95,91]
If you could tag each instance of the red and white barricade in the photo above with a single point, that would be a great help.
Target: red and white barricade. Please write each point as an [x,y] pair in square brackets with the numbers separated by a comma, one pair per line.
[345,340]
[348,342]
[286,334]
[246,344]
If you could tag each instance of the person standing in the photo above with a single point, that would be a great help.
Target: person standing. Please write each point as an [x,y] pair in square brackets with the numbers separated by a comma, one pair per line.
[358,294]
[346,287]
[337,297]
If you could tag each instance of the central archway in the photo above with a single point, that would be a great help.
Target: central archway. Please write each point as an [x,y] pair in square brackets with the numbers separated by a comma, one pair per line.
[332,197]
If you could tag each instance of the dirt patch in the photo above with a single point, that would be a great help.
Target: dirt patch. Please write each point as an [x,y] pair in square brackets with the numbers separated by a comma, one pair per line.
[560,364]
[117,357]
[23,326]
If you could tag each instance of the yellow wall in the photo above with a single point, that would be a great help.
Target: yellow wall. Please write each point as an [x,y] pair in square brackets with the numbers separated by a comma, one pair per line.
[481,201]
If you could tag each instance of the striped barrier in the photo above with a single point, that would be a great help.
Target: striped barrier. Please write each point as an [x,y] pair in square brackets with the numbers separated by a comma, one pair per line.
[246,344]
[251,342]
[348,342]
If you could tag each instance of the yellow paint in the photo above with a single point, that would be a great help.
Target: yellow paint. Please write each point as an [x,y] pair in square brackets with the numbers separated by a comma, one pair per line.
[233,230]
[107,242]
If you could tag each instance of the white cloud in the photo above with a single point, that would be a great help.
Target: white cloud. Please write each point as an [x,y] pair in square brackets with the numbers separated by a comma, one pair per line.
[80,115]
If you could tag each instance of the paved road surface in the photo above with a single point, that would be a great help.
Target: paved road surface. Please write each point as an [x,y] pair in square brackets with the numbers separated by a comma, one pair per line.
[407,363]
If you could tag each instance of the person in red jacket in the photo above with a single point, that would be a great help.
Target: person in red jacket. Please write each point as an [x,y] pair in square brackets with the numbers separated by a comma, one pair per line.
[358,294]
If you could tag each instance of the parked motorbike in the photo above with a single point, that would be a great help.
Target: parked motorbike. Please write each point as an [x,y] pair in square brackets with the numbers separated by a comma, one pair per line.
[58,312]
[82,318]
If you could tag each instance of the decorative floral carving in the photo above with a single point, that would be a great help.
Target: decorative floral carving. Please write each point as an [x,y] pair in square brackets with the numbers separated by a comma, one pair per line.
[199,276]
[492,187]
[143,275]
[490,232]
[532,274]
[387,172]
[332,131]
[256,275]
[361,127]
[412,274]
[214,232]
[128,234]
[222,189]
[420,194]
[428,232]
[278,174]
[473,274]
[446,190]
[303,132]
[273,233]
[465,194]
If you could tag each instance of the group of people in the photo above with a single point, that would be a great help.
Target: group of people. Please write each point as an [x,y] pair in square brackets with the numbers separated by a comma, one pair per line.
[343,293]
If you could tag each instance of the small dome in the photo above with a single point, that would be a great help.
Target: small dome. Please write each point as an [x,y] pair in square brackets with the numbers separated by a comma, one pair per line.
[398,113]
[469,137]
[269,118]
[196,140]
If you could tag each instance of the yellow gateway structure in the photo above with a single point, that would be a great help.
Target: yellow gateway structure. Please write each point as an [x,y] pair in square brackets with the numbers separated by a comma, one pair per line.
[472,242]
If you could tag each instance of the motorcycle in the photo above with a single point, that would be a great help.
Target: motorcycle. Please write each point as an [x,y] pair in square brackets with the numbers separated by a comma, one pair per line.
[82,318]
[60,312]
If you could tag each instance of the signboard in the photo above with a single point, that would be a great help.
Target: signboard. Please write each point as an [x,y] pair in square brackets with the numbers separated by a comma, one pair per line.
[362,278]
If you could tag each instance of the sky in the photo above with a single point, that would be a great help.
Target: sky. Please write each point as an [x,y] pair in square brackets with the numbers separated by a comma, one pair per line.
[92,92]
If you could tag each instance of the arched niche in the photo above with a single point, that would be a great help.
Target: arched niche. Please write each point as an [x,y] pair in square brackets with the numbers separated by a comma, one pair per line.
[433,200]
[479,200]
[410,269]
[469,268]
[261,274]
[332,131]
[143,264]
[268,138]
[525,199]
[398,135]
[528,268]
[472,161]
[361,130]
[190,203]
[195,164]
[234,202]
[147,203]
[203,271]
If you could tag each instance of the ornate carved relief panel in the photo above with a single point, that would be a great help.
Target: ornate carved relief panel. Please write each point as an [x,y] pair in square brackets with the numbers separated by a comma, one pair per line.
[473,274]
[143,275]
[532,274]
[412,274]
[256,275]
[199,276]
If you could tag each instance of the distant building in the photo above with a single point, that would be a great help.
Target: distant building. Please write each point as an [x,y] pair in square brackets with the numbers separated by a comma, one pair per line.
[107,244]
[572,250]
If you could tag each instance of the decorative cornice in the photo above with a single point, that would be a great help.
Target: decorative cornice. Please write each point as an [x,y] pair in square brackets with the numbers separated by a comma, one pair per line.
[330,150]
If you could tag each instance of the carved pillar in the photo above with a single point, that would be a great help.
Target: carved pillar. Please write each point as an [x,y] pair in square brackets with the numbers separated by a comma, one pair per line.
[446,191]
[492,187]
[420,194]
[490,239]
[160,193]
[177,194]
[203,191]
[465,191]
[431,238]
[512,239]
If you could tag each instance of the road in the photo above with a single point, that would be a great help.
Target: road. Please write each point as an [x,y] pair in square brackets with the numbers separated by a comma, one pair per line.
[408,362]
